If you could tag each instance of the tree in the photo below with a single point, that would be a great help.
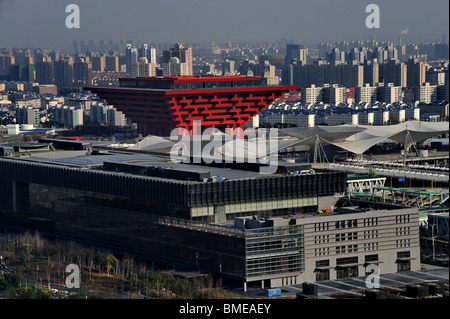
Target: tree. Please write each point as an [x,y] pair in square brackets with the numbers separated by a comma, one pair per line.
[107,261]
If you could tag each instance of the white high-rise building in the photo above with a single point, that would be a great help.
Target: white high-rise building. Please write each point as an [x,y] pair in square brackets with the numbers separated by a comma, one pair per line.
[107,114]
[228,67]
[143,68]
[389,93]
[366,94]
[311,95]
[148,52]
[426,93]
[334,94]
[68,116]
[175,68]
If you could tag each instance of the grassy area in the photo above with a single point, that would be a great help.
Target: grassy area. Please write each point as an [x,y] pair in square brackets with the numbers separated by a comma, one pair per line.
[39,270]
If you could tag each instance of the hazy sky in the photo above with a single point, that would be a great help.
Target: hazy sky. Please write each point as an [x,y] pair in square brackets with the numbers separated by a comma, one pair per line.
[42,22]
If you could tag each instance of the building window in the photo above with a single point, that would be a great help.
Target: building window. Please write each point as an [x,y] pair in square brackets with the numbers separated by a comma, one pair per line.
[340,237]
[347,260]
[322,274]
[353,236]
[347,272]
[371,258]
[404,254]
[323,263]
[340,249]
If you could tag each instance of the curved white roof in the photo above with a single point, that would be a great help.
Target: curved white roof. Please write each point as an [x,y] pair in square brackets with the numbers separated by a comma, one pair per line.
[363,137]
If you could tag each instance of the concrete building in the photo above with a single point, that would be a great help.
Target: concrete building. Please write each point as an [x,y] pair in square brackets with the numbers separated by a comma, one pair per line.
[366,94]
[394,72]
[183,54]
[106,114]
[264,231]
[63,69]
[426,93]
[44,71]
[228,67]
[397,115]
[143,68]
[99,63]
[300,118]
[436,76]
[295,52]
[311,95]
[112,63]
[333,94]
[371,72]
[68,116]
[416,73]
[389,93]
[28,115]
[148,52]
[366,117]
[45,89]
[341,116]
[82,72]
[380,116]
[175,68]
[131,57]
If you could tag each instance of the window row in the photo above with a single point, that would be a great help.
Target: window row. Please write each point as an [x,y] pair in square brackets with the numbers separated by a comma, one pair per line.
[346,249]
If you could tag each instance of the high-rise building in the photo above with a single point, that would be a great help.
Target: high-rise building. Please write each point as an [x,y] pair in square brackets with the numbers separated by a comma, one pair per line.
[175,68]
[389,93]
[426,93]
[182,53]
[5,62]
[99,63]
[228,67]
[436,76]
[147,52]
[106,114]
[22,72]
[394,72]
[442,93]
[68,116]
[333,94]
[366,94]
[44,71]
[143,68]
[131,57]
[311,95]
[63,69]
[112,63]
[371,72]
[416,73]
[295,52]
[28,115]
[82,72]
[352,74]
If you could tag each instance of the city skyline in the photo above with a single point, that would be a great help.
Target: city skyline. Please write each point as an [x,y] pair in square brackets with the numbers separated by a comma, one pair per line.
[26,23]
